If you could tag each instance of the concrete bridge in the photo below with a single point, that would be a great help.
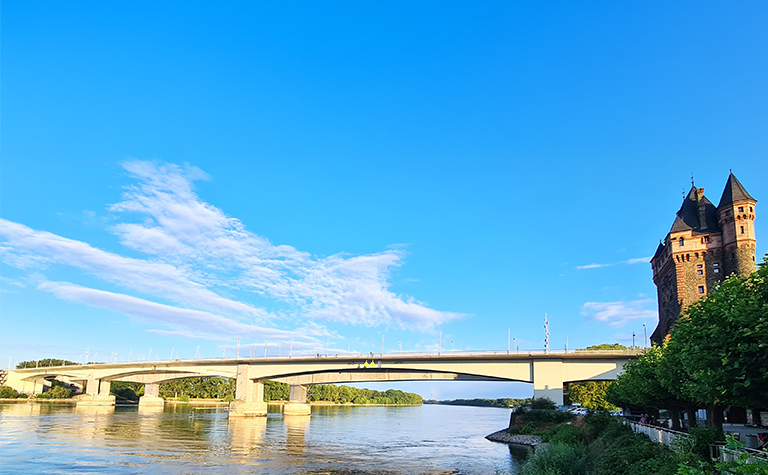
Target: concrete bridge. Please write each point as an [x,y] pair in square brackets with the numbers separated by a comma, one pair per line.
[548,371]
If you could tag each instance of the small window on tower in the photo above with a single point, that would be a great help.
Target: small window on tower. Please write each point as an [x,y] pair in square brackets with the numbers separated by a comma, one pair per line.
[741,209]
[717,271]
[682,241]
[701,289]
[699,266]
[728,213]
[705,239]
[750,209]
[742,229]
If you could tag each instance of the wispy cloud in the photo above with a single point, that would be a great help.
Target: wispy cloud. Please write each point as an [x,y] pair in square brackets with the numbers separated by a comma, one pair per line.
[618,314]
[637,260]
[197,257]
[195,323]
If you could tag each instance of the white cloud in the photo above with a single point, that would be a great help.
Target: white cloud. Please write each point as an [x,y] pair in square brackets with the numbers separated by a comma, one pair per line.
[152,277]
[618,314]
[637,260]
[197,255]
[183,321]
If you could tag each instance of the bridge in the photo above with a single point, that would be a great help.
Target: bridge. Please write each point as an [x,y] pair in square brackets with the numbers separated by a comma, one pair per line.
[547,371]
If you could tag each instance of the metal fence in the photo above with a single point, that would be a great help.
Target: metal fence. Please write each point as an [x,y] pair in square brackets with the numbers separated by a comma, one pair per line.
[656,434]
[722,453]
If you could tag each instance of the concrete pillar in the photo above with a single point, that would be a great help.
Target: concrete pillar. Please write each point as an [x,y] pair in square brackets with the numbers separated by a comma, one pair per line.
[151,397]
[548,379]
[249,395]
[297,402]
[297,393]
[97,393]
[104,387]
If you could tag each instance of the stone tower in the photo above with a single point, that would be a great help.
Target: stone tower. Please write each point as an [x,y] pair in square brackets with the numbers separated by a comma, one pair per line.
[705,245]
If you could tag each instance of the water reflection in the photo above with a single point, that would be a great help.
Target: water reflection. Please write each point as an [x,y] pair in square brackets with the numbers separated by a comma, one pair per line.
[296,430]
[247,434]
[187,439]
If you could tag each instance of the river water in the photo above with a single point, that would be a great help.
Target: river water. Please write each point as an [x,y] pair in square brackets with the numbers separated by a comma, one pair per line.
[184,439]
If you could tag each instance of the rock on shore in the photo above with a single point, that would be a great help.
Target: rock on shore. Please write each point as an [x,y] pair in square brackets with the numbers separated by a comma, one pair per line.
[507,438]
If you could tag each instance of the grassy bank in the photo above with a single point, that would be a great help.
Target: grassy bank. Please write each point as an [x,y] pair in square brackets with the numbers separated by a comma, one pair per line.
[604,445]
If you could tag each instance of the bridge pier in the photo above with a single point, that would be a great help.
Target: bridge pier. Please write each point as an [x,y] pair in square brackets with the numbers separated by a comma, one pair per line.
[297,402]
[151,397]
[97,393]
[249,395]
[548,379]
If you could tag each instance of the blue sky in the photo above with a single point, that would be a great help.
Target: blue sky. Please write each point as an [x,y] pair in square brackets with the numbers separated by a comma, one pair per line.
[176,175]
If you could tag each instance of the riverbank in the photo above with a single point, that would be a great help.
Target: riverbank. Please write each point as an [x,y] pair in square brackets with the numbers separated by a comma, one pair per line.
[518,439]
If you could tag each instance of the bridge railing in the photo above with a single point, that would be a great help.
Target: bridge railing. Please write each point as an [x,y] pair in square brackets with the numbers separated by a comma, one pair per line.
[394,354]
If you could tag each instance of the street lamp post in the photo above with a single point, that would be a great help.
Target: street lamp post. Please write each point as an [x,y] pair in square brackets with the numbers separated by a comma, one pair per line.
[509,332]
[401,346]
[645,337]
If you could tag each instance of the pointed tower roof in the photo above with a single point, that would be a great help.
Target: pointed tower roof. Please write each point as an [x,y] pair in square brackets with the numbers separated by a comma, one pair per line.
[734,191]
[689,217]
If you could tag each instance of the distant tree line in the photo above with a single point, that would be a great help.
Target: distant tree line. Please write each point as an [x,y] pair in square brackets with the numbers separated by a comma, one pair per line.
[43,363]
[501,402]
[224,389]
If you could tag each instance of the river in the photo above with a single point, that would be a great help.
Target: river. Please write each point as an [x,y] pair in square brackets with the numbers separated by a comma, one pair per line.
[184,439]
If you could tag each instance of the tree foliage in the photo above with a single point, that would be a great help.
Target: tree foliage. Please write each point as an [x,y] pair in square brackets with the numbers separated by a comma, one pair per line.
[721,344]
[44,363]
[501,402]
[641,384]
[347,394]
[591,394]
[7,392]
[607,346]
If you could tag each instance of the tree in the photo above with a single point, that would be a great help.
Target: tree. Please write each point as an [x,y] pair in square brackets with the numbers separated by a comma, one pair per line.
[591,394]
[7,392]
[543,403]
[607,346]
[642,384]
[721,342]
[44,362]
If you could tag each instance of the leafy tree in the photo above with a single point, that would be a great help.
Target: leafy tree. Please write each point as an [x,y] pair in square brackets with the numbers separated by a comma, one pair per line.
[591,394]
[56,392]
[543,403]
[126,391]
[44,363]
[7,392]
[274,391]
[721,342]
[607,346]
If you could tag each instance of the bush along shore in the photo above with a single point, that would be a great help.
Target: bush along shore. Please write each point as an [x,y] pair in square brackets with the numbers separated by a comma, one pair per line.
[603,445]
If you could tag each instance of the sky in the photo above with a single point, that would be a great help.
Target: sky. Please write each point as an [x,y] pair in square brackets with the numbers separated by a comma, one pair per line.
[429,176]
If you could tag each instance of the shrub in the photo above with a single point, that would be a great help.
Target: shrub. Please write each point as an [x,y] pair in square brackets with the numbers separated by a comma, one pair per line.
[546,416]
[557,459]
[565,434]
[184,398]
[703,437]
[7,392]
[57,392]
[529,428]
[543,403]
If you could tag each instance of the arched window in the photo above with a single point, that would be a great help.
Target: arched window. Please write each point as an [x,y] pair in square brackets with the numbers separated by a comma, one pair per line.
[682,241]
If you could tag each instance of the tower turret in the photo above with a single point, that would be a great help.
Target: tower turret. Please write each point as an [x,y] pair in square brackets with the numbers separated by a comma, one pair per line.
[736,216]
